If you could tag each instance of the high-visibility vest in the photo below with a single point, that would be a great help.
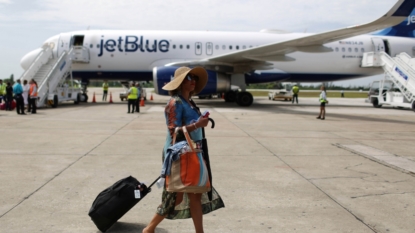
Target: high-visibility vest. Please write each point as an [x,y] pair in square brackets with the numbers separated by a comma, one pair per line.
[105,86]
[296,89]
[3,89]
[33,90]
[133,95]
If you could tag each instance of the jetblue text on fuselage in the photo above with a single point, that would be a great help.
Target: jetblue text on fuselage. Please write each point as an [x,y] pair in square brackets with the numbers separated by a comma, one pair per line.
[411,19]
[133,44]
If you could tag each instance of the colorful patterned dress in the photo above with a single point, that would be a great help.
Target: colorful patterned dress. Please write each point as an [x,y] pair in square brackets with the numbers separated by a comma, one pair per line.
[179,112]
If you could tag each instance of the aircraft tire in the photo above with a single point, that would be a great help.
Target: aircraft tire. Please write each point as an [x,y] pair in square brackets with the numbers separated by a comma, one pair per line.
[230,96]
[244,99]
[84,97]
[55,101]
[78,99]
[413,106]
[376,103]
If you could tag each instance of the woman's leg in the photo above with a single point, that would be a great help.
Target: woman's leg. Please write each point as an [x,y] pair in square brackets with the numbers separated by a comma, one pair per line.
[196,210]
[323,112]
[158,218]
[153,224]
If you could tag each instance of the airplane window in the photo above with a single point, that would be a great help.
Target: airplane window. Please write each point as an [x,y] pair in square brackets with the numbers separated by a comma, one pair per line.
[181,46]
[223,47]
[91,45]
[198,46]
[217,47]
[350,49]
[250,46]
[188,46]
[174,46]
[230,47]
[343,50]
[97,45]
[356,50]
[244,47]
[237,47]
[363,50]
[337,49]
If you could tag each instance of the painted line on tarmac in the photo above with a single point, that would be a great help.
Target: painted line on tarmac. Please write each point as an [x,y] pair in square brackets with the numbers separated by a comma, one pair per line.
[383,157]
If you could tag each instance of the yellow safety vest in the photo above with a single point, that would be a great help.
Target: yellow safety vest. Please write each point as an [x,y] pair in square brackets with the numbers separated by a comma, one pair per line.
[3,89]
[105,86]
[133,95]
[296,90]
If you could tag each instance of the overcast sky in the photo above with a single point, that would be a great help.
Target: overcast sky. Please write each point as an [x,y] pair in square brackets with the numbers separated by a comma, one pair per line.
[25,24]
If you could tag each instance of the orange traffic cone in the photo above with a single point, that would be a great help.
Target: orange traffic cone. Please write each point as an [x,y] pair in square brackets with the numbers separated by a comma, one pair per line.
[142,102]
[111,98]
[151,97]
[93,98]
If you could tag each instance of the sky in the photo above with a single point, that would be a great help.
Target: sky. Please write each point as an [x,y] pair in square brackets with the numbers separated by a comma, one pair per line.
[25,24]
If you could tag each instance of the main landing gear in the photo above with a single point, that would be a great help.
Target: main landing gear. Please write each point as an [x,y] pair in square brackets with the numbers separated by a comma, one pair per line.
[242,98]
[83,97]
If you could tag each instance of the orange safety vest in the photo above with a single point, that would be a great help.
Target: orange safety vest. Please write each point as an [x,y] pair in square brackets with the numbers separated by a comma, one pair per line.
[33,86]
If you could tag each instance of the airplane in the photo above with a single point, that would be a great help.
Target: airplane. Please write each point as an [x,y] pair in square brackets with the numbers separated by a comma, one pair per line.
[236,58]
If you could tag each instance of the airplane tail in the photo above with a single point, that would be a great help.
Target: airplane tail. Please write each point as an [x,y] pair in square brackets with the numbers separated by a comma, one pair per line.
[404,29]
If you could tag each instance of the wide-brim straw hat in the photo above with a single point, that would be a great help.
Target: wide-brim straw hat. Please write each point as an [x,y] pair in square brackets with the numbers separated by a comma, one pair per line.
[181,73]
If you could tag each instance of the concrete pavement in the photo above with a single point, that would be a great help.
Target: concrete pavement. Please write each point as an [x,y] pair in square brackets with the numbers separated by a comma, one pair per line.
[277,168]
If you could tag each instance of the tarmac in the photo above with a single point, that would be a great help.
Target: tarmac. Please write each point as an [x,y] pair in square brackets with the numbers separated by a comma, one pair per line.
[277,168]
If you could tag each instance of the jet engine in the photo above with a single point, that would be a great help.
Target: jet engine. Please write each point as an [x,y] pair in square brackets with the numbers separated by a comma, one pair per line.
[217,82]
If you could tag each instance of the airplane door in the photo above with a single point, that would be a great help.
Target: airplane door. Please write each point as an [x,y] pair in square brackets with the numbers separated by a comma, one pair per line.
[64,43]
[378,44]
[209,48]
[198,48]
[78,40]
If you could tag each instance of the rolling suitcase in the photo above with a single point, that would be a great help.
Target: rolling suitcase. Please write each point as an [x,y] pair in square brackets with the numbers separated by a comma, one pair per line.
[112,203]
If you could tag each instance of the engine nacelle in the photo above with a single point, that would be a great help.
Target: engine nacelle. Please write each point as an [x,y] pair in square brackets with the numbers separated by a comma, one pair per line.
[217,82]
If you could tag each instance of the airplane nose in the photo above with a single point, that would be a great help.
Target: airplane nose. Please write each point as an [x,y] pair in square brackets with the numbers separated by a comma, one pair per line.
[28,59]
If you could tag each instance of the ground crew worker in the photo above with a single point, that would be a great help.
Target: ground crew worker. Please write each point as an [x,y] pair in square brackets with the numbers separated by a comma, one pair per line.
[18,96]
[295,91]
[32,96]
[323,100]
[2,91]
[9,96]
[137,108]
[105,89]
[132,98]
[342,93]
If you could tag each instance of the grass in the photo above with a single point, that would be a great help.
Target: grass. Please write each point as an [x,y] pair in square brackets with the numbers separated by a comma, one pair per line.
[330,94]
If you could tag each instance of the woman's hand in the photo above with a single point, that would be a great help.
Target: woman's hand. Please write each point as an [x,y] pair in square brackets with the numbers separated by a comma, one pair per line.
[202,122]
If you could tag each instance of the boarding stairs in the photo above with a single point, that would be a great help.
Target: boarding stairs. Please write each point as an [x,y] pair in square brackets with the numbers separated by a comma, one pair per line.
[50,71]
[400,70]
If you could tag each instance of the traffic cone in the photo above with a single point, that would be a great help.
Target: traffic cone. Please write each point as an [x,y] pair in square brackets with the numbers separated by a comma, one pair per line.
[223,95]
[142,102]
[111,98]
[151,96]
[93,99]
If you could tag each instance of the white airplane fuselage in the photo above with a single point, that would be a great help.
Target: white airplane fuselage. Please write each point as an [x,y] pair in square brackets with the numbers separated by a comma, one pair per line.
[132,55]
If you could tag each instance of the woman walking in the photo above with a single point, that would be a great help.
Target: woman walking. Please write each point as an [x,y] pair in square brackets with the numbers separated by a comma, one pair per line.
[323,101]
[180,112]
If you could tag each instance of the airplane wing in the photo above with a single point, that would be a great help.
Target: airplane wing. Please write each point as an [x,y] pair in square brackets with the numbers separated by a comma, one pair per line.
[259,58]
